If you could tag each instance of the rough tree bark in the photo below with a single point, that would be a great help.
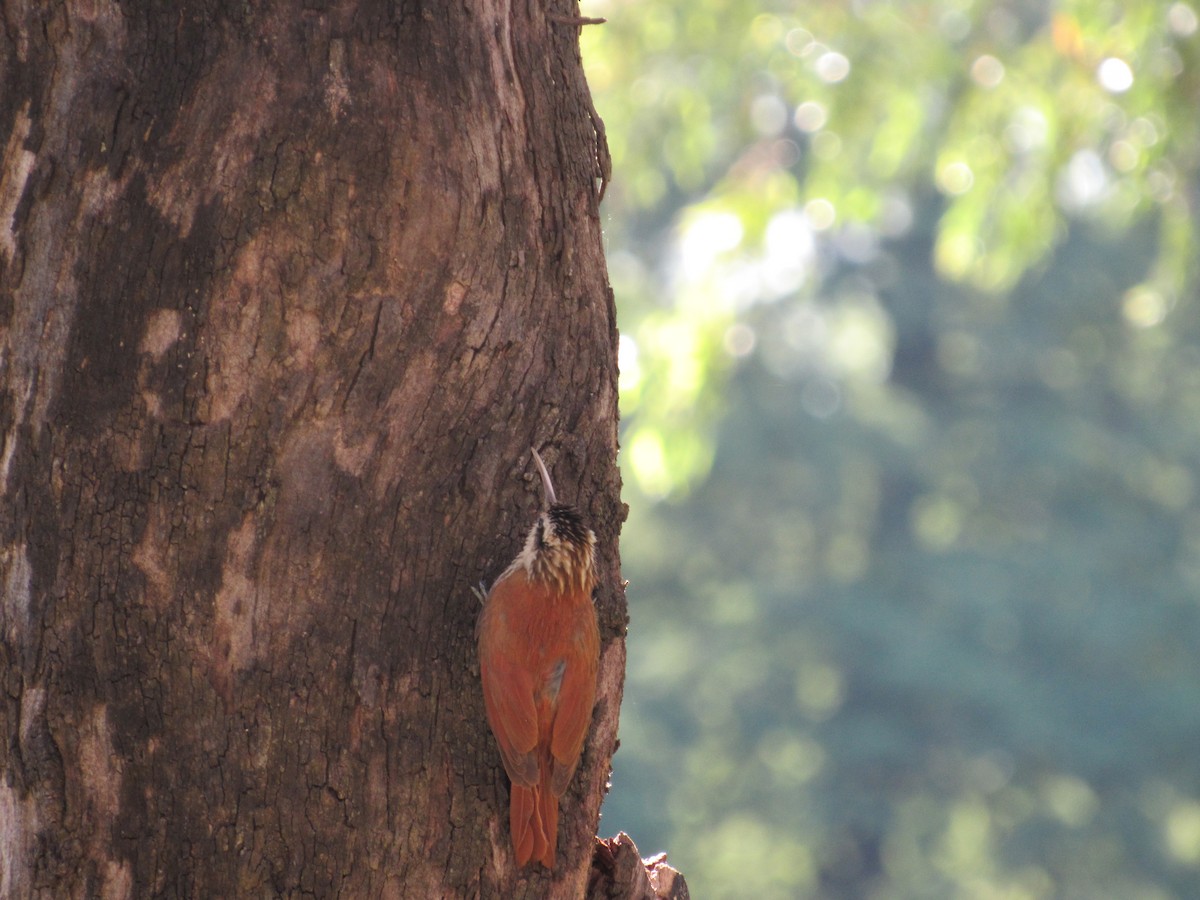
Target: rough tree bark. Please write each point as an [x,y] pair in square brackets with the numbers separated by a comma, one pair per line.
[287,290]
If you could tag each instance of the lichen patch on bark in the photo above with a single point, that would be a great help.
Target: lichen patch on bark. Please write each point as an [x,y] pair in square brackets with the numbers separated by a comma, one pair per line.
[14,174]
[236,605]
[14,560]
[231,335]
[150,556]
[162,330]
[99,774]
[118,881]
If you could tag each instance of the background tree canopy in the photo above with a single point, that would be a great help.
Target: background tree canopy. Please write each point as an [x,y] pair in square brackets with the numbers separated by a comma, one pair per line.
[911,386]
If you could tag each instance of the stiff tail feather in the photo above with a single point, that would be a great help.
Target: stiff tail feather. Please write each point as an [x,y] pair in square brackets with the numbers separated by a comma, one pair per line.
[548,809]
[533,821]
[522,822]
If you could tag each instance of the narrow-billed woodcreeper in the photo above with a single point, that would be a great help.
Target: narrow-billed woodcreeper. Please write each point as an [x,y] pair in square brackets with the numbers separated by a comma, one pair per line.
[539,647]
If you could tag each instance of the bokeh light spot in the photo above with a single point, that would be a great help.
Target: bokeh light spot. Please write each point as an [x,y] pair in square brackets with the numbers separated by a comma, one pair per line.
[1183,832]
[987,71]
[1114,75]
[704,238]
[810,116]
[955,178]
[1070,799]
[1143,307]
[739,340]
[820,690]
[936,521]
[1181,19]
[799,42]
[832,67]
[648,458]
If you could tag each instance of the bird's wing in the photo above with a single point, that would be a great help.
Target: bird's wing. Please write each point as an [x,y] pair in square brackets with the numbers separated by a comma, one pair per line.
[576,697]
[507,690]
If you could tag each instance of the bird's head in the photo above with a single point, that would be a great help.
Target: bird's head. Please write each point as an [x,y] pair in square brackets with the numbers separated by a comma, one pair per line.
[560,548]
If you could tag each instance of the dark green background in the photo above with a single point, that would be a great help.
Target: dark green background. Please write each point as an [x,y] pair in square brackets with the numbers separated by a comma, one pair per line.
[914,542]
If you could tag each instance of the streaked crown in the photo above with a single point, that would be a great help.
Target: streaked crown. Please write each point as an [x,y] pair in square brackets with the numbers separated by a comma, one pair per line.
[559,549]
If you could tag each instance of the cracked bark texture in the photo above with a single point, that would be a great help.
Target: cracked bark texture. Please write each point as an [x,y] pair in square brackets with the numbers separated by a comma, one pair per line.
[287,290]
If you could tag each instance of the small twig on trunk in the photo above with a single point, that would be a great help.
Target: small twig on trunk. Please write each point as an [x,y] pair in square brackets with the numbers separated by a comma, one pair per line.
[575,20]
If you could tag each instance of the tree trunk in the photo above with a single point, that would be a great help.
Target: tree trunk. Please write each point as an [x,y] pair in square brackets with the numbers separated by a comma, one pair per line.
[286,294]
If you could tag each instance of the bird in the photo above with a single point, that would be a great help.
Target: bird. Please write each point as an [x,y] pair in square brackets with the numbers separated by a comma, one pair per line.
[539,651]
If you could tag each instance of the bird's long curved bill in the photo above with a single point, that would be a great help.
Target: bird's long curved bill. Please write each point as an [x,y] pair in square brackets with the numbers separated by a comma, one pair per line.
[550,498]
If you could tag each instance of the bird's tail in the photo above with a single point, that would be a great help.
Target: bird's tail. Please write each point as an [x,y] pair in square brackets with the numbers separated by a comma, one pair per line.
[533,820]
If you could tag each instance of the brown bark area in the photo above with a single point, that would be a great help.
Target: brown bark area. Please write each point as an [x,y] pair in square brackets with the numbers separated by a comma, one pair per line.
[286,292]
[620,873]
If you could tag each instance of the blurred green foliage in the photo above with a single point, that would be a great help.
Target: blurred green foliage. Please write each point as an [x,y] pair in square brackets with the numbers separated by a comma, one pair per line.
[911,386]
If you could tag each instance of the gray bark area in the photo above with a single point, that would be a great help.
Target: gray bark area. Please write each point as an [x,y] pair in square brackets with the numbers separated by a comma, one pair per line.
[285,296]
